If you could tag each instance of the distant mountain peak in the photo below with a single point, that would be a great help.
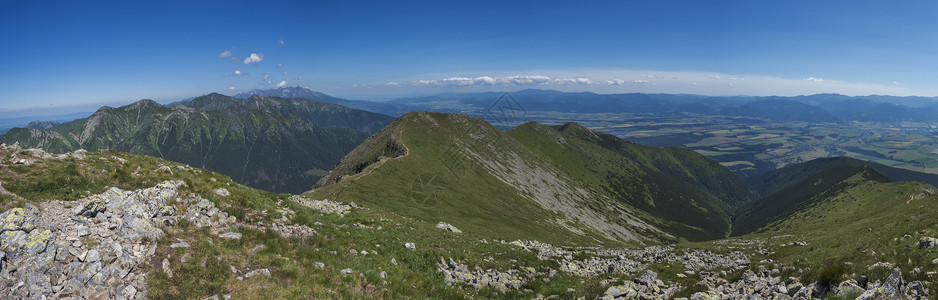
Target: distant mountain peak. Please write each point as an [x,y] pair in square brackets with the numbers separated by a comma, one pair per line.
[37,124]
[143,103]
[285,92]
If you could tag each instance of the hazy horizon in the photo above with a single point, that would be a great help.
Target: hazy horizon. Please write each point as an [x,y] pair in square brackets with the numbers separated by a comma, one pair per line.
[68,54]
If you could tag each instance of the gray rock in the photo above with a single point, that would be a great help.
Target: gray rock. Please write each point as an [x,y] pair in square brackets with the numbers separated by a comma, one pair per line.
[38,284]
[891,288]
[230,235]
[222,192]
[411,246]
[180,244]
[129,292]
[258,248]
[92,256]
[916,289]
[347,271]
[927,242]
[325,206]
[264,272]
[849,287]
[320,265]
[16,220]
[167,269]
[446,226]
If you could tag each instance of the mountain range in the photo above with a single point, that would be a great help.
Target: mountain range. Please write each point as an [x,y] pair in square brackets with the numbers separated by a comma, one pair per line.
[604,188]
[439,205]
[270,143]
[818,108]
[392,109]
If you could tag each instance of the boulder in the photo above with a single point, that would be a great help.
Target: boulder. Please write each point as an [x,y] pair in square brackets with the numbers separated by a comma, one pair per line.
[927,242]
[15,220]
[447,226]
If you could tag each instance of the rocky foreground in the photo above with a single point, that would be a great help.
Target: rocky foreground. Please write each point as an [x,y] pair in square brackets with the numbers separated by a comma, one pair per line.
[106,246]
[766,284]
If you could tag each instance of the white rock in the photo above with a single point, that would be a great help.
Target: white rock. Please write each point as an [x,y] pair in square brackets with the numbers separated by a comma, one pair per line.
[230,235]
[265,272]
[411,246]
[129,292]
[92,256]
[447,226]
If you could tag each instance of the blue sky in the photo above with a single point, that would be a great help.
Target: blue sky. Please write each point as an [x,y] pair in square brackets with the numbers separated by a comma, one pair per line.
[70,55]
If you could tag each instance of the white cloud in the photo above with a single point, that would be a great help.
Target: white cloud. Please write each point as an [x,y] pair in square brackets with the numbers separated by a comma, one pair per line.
[236,73]
[463,81]
[279,65]
[644,81]
[234,59]
[266,76]
[527,80]
[231,88]
[280,42]
[281,84]
[572,81]
[225,54]
[513,80]
[895,83]
[254,58]
[286,73]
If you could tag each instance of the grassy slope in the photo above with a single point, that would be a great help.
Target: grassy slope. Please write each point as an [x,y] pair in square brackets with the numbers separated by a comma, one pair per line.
[800,195]
[430,184]
[772,181]
[850,215]
[464,193]
[702,215]
[292,261]
[866,222]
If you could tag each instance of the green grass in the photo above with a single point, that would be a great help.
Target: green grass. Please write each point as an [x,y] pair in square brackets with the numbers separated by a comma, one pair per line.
[460,192]
[292,261]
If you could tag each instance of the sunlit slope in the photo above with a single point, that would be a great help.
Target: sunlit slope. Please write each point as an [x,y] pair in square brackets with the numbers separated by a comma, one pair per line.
[688,194]
[533,182]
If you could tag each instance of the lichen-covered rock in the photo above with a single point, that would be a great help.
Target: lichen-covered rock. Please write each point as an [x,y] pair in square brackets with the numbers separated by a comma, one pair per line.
[849,287]
[222,192]
[447,226]
[927,242]
[16,220]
